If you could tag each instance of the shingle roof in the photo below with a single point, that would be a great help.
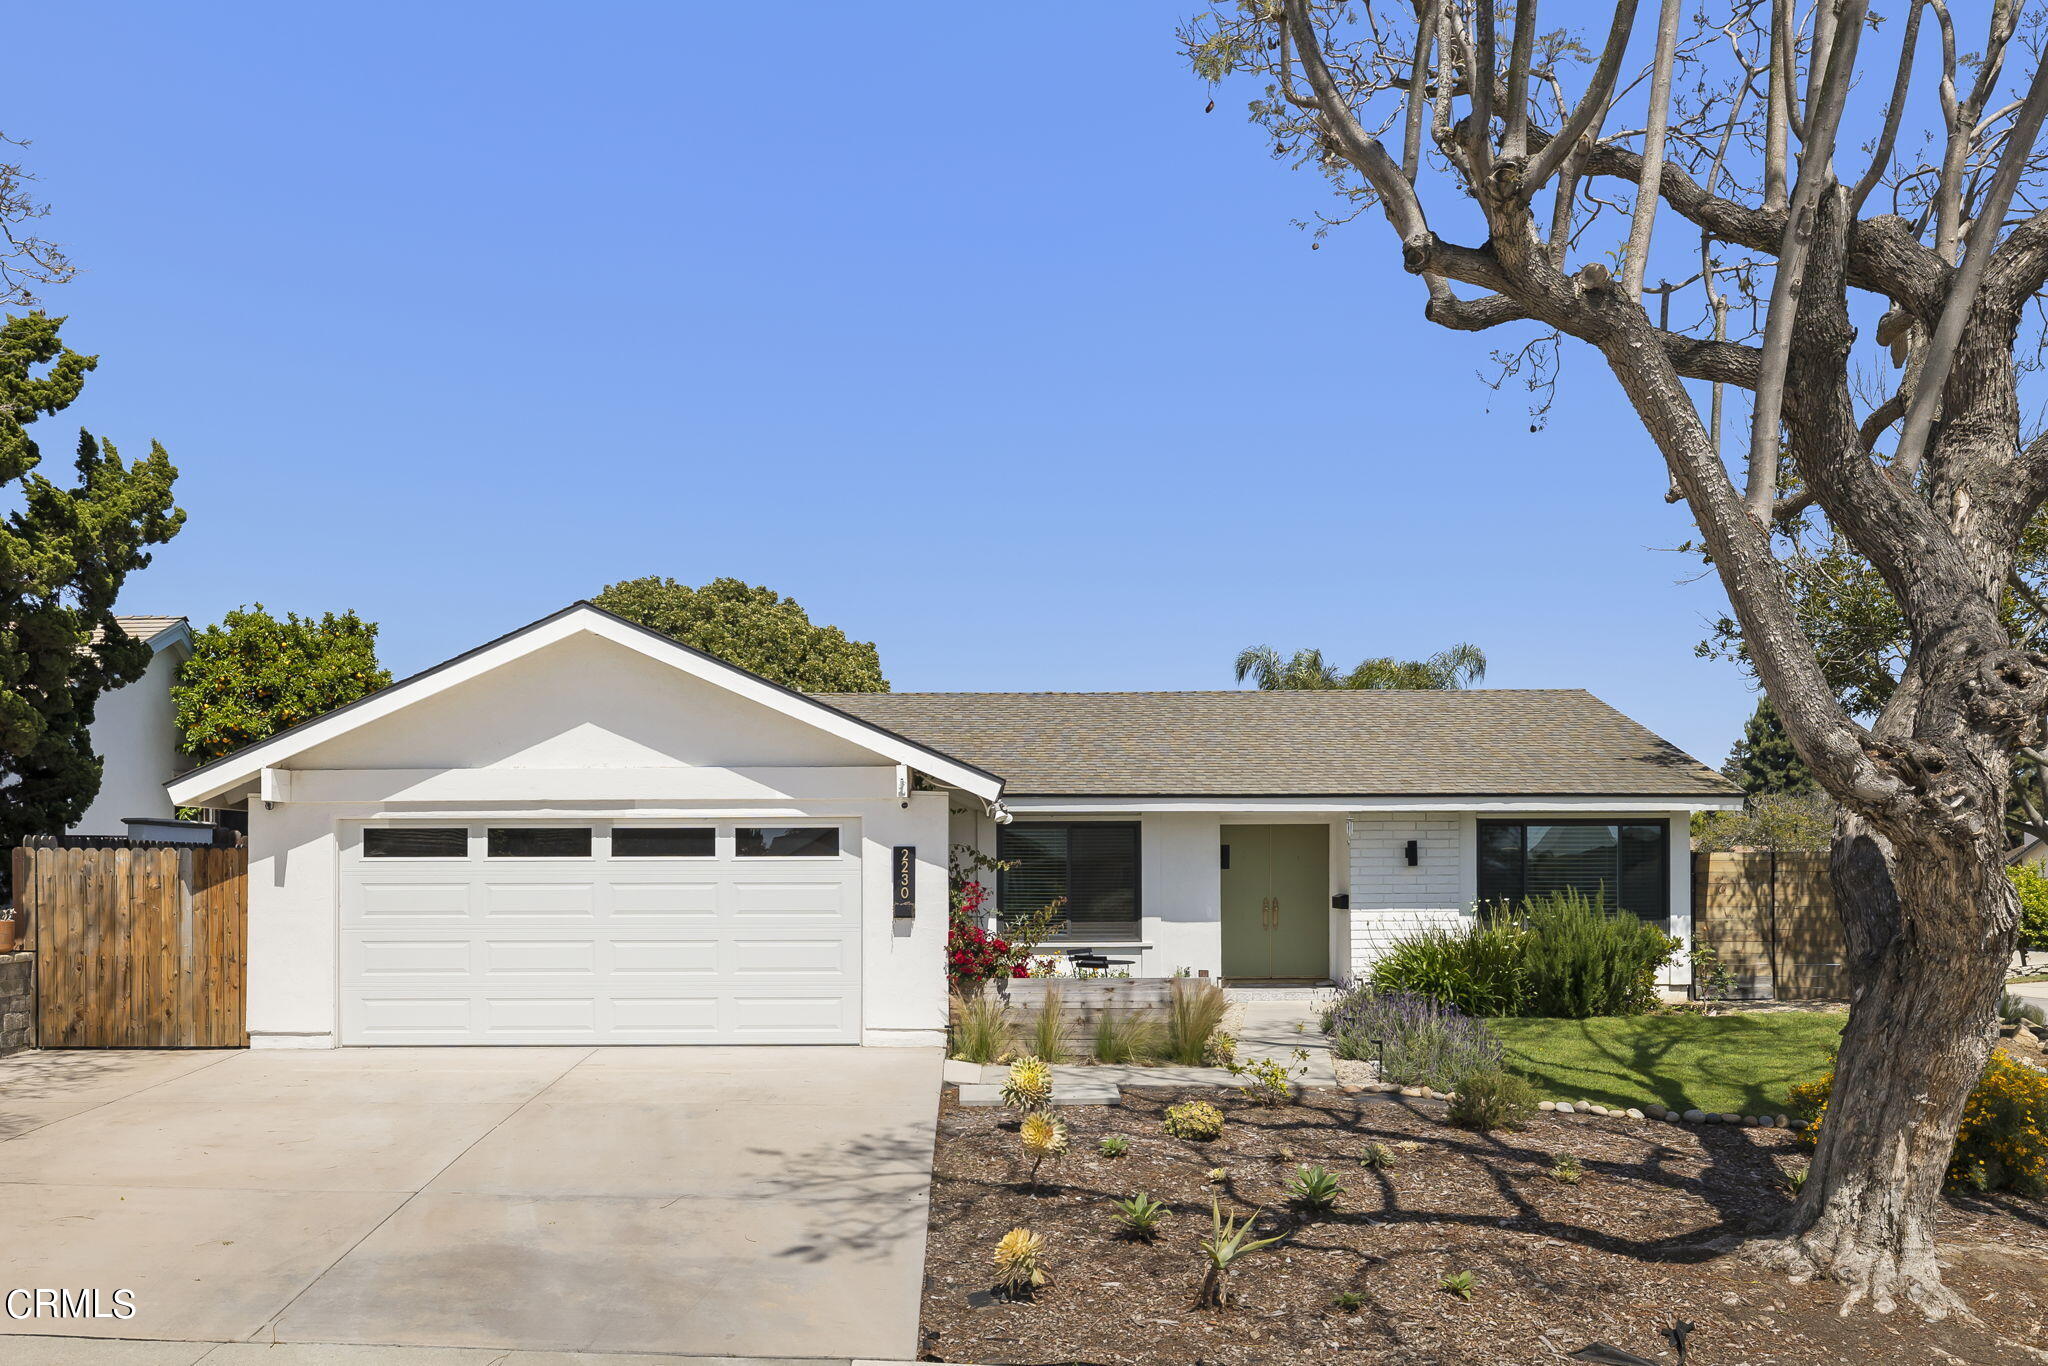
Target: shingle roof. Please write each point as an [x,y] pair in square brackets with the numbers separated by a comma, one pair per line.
[144,628]
[1482,742]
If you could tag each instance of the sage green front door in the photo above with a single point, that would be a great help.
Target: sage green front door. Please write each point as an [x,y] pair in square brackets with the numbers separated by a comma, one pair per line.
[1276,901]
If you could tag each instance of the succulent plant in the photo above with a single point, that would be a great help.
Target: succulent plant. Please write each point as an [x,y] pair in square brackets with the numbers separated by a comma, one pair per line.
[1044,1138]
[1115,1145]
[1228,1241]
[1217,1176]
[1313,1190]
[1139,1217]
[1378,1156]
[1565,1170]
[1194,1119]
[1029,1085]
[1458,1283]
[1043,1135]
[1019,1259]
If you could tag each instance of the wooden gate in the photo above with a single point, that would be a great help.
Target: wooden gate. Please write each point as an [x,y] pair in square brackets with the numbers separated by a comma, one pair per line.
[137,945]
[1772,919]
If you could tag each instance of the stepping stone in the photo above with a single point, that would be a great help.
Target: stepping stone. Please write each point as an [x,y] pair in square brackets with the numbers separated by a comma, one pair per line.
[981,1093]
[959,1073]
[1084,1093]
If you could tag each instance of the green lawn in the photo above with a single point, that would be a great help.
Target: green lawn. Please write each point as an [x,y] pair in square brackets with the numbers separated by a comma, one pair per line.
[1742,1063]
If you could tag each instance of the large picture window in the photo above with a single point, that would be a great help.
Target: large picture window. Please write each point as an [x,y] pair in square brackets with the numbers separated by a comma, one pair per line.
[1627,865]
[1093,864]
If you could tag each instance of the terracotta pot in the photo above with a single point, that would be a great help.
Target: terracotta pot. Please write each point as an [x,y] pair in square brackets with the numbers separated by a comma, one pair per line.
[7,936]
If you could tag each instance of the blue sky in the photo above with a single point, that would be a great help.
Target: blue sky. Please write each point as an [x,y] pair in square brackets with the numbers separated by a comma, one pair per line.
[967,329]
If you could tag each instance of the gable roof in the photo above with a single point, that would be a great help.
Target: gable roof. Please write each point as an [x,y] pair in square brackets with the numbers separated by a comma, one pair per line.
[1482,742]
[154,630]
[244,766]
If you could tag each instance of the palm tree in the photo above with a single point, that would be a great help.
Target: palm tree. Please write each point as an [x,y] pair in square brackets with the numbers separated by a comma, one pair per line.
[1461,666]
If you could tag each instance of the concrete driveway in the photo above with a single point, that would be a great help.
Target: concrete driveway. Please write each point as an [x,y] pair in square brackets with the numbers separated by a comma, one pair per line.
[746,1202]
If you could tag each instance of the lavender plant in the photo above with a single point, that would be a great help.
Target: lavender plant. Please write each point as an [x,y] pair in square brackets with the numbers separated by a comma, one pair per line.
[1417,1041]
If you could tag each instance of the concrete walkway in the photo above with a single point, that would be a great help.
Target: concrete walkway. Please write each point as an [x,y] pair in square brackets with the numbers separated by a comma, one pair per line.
[703,1202]
[53,1351]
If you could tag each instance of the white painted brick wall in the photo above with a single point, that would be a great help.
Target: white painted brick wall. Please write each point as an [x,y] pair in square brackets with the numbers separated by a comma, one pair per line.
[1389,899]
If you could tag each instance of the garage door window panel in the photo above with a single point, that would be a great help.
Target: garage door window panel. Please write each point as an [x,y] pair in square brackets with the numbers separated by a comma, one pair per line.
[787,841]
[450,841]
[664,841]
[538,841]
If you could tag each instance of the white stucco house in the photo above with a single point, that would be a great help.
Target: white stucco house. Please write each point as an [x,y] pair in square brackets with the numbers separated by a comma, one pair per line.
[135,733]
[584,832]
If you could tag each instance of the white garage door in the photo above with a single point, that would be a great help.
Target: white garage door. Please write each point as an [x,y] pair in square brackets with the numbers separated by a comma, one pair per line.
[467,932]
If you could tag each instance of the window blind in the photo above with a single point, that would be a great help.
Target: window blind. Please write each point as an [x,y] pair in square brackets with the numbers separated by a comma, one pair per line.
[1092,864]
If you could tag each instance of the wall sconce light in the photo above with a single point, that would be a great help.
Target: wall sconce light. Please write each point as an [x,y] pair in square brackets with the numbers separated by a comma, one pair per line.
[1414,855]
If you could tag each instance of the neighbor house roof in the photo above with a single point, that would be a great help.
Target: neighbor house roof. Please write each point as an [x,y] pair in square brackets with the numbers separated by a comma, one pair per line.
[146,628]
[1483,742]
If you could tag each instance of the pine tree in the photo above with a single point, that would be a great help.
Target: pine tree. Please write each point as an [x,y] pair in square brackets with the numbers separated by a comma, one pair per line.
[1763,762]
[64,554]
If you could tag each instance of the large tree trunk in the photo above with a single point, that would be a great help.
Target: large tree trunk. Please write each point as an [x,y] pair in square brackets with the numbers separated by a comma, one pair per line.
[1930,925]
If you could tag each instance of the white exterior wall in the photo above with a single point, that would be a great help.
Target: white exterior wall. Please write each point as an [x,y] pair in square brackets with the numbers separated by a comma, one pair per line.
[1181,883]
[1389,899]
[582,730]
[135,733]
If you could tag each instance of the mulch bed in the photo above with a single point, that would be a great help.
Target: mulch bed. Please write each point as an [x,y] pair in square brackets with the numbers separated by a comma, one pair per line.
[1555,1266]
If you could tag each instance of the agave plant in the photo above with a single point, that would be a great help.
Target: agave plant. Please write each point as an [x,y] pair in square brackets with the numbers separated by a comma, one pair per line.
[1139,1217]
[1029,1085]
[1228,1241]
[1019,1259]
[1314,1190]
[1044,1138]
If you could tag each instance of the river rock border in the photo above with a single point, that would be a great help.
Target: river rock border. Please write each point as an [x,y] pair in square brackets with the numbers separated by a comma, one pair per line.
[1586,1107]
[1659,1112]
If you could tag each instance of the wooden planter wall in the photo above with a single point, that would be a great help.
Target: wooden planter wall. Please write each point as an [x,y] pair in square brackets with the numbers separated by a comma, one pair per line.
[137,946]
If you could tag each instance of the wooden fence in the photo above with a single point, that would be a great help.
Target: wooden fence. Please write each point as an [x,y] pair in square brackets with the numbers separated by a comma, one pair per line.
[1771,918]
[137,946]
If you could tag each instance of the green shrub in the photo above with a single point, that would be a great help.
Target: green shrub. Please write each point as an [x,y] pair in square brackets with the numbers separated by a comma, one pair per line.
[1561,955]
[1477,968]
[1194,1119]
[982,1032]
[2012,1010]
[1493,1100]
[2032,885]
[1581,958]
[1196,1009]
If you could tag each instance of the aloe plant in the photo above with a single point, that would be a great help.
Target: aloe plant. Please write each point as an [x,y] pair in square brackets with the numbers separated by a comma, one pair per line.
[1227,1243]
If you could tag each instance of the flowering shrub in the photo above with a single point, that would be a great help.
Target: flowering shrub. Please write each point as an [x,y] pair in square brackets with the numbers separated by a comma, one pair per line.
[1418,1041]
[973,955]
[2003,1141]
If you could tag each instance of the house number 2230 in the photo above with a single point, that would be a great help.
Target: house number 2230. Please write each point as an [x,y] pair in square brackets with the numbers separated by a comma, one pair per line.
[903,880]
